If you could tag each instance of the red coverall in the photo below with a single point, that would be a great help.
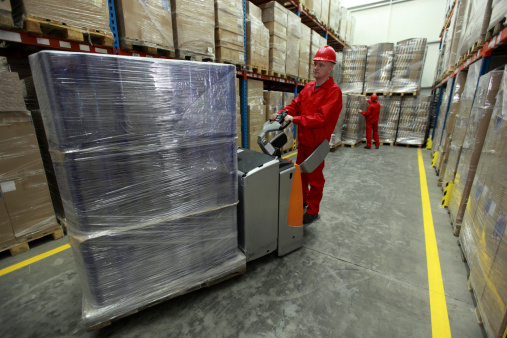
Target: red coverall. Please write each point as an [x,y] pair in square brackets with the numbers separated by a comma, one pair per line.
[371,114]
[315,112]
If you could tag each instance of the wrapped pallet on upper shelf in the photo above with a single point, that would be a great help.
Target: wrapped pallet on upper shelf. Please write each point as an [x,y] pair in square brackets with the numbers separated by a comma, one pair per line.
[343,24]
[379,66]
[334,16]
[71,20]
[353,125]
[408,65]
[229,40]
[293,41]
[388,118]
[482,236]
[315,8]
[336,136]
[194,29]
[6,14]
[353,69]
[257,42]
[477,17]
[498,15]
[146,25]
[449,32]
[352,29]
[275,18]
[461,122]
[147,179]
[414,120]
[324,15]
[304,52]
[480,115]
[459,25]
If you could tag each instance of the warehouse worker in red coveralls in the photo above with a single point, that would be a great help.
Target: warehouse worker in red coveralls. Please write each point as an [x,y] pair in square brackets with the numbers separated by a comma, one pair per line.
[315,111]
[371,115]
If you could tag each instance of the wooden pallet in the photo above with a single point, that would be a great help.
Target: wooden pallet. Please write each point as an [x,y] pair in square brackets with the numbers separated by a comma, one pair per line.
[257,70]
[190,56]
[409,145]
[230,62]
[283,76]
[352,145]
[22,246]
[495,29]
[205,284]
[382,143]
[135,45]
[404,94]
[335,146]
[63,31]
[377,93]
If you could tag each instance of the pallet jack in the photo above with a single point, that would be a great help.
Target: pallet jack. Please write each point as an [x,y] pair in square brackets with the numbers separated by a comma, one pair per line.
[270,209]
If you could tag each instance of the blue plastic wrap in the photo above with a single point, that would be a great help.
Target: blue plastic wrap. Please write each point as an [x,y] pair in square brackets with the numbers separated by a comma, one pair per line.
[145,158]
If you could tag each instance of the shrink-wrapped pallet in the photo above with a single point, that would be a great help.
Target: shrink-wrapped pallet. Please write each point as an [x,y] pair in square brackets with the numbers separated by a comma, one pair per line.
[343,23]
[229,39]
[324,15]
[194,28]
[144,23]
[354,122]
[293,41]
[459,26]
[414,120]
[275,18]
[353,69]
[146,179]
[379,66]
[352,29]
[257,42]
[408,65]
[334,16]
[304,52]
[336,136]
[461,122]
[498,13]
[442,115]
[480,115]
[337,69]
[388,118]
[478,17]
[482,236]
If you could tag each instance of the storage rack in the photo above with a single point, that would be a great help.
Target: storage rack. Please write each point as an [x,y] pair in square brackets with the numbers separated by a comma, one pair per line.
[45,42]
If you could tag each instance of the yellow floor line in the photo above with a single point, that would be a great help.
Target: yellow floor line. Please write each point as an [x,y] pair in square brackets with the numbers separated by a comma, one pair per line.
[33,260]
[289,155]
[439,317]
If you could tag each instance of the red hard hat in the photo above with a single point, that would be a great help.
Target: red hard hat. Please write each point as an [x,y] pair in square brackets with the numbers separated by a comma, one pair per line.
[373,97]
[326,53]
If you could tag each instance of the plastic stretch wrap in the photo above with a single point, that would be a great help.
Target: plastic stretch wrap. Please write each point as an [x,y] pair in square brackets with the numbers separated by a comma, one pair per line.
[352,29]
[483,233]
[459,25]
[379,66]
[477,24]
[91,14]
[388,117]
[304,51]
[343,22]
[324,15]
[334,15]
[12,93]
[449,32]
[438,142]
[353,69]
[147,23]
[408,65]
[414,120]
[257,46]
[336,136]
[190,35]
[4,67]
[229,38]
[353,125]
[498,12]
[485,99]
[461,121]
[337,69]
[145,157]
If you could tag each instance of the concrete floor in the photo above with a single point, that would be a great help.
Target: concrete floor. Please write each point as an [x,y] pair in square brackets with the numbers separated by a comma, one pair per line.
[361,273]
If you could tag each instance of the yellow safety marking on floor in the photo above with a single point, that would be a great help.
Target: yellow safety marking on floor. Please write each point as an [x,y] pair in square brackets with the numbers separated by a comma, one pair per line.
[439,318]
[33,259]
[289,155]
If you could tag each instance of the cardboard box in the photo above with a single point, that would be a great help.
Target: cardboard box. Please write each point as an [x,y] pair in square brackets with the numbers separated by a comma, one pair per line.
[287,98]
[257,38]
[230,55]
[6,234]
[276,28]
[273,98]
[324,16]
[255,91]
[292,57]
[12,93]
[293,25]
[273,11]
[191,35]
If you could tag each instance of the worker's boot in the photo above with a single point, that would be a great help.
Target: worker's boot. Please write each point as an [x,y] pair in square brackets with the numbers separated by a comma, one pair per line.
[366,147]
[307,218]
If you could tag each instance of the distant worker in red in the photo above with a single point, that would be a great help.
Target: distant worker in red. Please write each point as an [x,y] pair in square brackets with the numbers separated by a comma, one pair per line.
[315,111]
[371,115]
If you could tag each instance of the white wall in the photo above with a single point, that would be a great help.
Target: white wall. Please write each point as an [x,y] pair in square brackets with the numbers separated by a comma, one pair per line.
[399,21]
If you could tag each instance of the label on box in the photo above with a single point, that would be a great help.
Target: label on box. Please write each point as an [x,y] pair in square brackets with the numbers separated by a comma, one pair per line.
[7,186]
[241,56]
[492,208]
[210,50]
[166,5]
[97,3]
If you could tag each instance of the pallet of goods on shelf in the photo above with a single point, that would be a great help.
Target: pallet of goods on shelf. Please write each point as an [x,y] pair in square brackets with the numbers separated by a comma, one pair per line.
[353,125]
[275,18]
[477,128]
[439,127]
[482,236]
[334,16]
[293,41]
[414,120]
[324,15]
[194,29]
[379,65]
[145,26]
[457,33]
[74,20]
[6,14]
[498,18]
[343,24]
[388,118]
[353,69]
[336,136]
[477,16]
[229,40]
[257,42]
[408,65]
[304,52]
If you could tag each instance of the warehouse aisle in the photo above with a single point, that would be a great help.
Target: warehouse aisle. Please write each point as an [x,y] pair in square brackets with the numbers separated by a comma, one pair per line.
[362,271]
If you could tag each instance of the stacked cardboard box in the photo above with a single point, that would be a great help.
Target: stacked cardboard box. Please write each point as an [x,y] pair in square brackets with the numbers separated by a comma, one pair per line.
[257,46]
[408,65]
[147,23]
[414,120]
[478,122]
[439,128]
[275,18]
[334,15]
[256,112]
[388,118]
[343,23]
[353,69]
[482,236]
[26,209]
[477,16]
[336,136]
[6,14]
[353,125]
[293,41]
[273,101]
[194,28]
[315,8]
[229,39]
[461,122]
[304,52]
[459,25]
[337,69]
[379,66]
[324,15]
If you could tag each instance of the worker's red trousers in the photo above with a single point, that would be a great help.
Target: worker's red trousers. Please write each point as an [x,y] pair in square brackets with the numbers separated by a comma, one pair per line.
[313,183]
[369,128]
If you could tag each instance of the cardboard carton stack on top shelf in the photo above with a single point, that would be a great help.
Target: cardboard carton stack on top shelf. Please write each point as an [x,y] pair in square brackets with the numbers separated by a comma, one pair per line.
[257,45]
[194,29]
[408,65]
[145,24]
[229,40]
[477,128]
[304,52]
[324,15]
[293,41]
[275,19]
[334,16]
[477,17]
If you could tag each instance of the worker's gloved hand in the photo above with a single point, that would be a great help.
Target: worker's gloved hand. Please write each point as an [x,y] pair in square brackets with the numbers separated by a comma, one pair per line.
[273,117]
[288,118]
